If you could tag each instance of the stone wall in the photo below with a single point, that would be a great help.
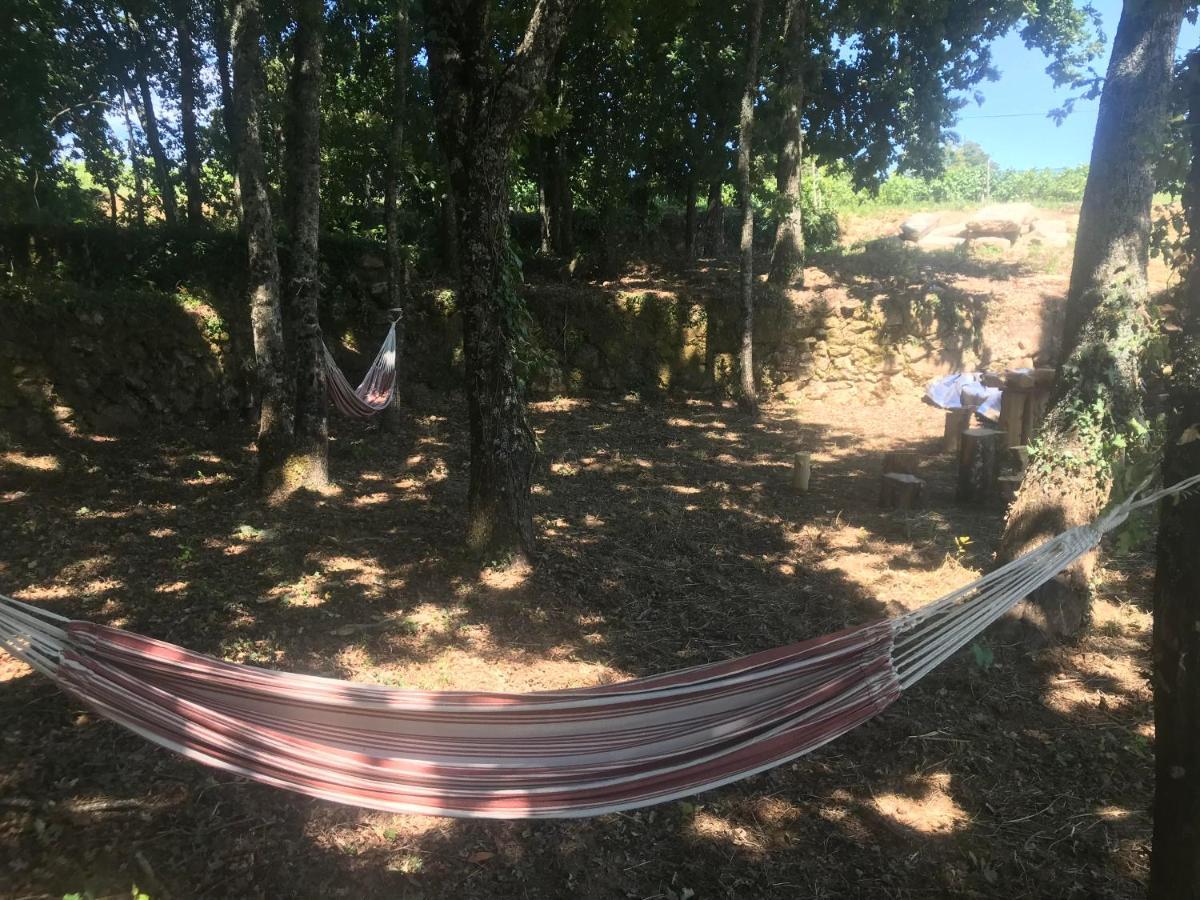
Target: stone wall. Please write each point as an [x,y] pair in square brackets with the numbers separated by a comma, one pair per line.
[87,351]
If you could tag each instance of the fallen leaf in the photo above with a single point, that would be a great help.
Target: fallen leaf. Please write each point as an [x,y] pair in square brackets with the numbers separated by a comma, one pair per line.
[481,856]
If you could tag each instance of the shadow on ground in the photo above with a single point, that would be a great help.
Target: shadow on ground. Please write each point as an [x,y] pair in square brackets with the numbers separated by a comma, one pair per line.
[669,538]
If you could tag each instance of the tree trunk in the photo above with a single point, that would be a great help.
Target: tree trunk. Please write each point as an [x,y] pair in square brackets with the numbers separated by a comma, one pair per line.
[747,396]
[714,215]
[566,202]
[187,115]
[135,165]
[449,230]
[162,163]
[547,195]
[1099,391]
[554,196]
[1111,245]
[275,420]
[479,108]
[228,116]
[307,462]
[391,198]
[1175,861]
[221,45]
[689,219]
[787,255]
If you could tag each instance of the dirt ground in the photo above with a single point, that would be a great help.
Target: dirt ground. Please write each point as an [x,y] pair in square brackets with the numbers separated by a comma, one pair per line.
[669,537]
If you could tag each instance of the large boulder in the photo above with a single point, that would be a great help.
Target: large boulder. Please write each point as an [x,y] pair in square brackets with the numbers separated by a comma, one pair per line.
[917,226]
[1050,233]
[1007,220]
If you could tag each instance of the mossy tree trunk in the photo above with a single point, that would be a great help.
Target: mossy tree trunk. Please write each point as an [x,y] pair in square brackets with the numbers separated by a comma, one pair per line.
[1175,862]
[480,106]
[275,417]
[787,255]
[747,395]
[1099,393]
[306,464]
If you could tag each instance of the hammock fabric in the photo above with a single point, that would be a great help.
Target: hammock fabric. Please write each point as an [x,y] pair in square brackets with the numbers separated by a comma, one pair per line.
[552,754]
[377,388]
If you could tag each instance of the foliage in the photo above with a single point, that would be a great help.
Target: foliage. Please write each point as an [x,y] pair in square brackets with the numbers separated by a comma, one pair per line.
[967,178]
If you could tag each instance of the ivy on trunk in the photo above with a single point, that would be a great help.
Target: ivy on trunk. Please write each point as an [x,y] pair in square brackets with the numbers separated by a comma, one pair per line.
[480,105]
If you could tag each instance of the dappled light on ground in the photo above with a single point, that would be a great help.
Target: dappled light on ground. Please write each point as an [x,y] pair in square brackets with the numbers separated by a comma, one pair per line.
[669,537]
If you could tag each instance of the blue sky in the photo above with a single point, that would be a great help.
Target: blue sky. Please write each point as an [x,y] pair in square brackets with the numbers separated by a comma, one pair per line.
[1012,126]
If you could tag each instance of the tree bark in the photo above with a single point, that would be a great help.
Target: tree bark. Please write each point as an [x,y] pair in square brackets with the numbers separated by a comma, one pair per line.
[548,202]
[1111,245]
[747,396]
[186,51]
[228,116]
[479,108]
[135,164]
[275,420]
[1175,861]
[689,218]
[307,462]
[787,255]
[391,198]
[162,163]
[714,220]
[1099,390]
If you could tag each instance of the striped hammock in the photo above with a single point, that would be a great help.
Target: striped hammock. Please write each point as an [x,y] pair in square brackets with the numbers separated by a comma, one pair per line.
[552,754]
[377,388]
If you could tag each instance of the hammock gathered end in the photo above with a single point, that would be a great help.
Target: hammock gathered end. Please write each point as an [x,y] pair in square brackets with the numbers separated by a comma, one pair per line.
[552,754]
[378,386]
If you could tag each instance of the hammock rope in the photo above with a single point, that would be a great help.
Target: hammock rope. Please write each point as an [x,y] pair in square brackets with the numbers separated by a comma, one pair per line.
[378,386]
[551,754]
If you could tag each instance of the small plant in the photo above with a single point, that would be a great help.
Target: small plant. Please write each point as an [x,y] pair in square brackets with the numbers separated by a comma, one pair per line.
[983,656]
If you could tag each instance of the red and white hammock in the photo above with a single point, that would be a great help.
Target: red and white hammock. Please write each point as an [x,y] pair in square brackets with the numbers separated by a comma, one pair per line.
[378,386]
[553,754]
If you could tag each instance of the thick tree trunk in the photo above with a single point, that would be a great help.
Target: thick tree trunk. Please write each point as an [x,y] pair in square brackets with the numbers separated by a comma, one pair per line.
[135,165]
[1099,392]
[275,419]
[307,462]
[787,255]
[187,115]
[502,445]
[1175,862]
[397,279]
[747,395]
[1111,245]
[479,108]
